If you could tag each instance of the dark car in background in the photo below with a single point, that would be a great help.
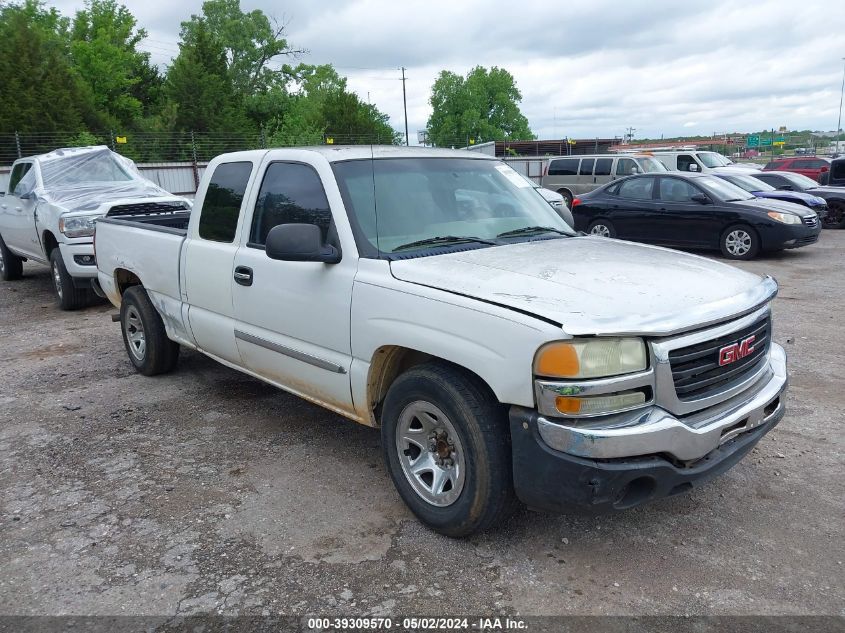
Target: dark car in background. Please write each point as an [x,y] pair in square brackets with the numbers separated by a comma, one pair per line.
[834,196]
[763,190]
[836,176]
[698,211]
[810,166]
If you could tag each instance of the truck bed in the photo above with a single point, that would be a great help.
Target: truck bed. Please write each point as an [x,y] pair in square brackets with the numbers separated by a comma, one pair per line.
[147,246]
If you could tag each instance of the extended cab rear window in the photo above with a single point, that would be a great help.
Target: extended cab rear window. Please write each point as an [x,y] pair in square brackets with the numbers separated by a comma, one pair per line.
[222,204]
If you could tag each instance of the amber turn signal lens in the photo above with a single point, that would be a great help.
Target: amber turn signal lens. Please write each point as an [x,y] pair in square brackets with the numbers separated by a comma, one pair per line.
[558,360]
[568,405]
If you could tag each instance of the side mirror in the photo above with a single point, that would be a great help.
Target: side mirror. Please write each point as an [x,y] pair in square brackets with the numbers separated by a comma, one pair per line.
[700,198]
[634,171]
[299,243]
[693,167]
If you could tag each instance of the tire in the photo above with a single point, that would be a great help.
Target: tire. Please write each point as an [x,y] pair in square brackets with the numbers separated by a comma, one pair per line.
[11,266]
[450,416]
[567,197]
[68,296]
[835,218]
[144,335]
[602,228]
[739,242]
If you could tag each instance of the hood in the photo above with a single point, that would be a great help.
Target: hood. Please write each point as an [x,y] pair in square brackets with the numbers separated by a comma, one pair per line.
[593,285]
[772,204]
[827,191]
[787,196]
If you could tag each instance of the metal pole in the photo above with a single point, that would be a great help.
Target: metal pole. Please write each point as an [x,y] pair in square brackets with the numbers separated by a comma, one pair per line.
[839,122]
[405,105]
[194,161]
[18,143]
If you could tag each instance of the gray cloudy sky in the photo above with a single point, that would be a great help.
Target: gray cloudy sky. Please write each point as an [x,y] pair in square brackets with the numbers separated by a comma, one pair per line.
[585,69]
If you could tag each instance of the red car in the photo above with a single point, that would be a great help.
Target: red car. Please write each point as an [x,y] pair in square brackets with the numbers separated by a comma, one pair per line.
[810,166]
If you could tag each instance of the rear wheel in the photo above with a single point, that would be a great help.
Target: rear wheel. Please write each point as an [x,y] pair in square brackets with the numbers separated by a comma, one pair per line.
[602,228]
[144,334]
[835,218]
[740,242]
[446,444]
[68,296]
[567,197]
[11,266]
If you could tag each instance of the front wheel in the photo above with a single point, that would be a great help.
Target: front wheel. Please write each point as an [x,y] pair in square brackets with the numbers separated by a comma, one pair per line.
[446,444]
[740,242]
[68,296]
[602,228]
[567,197]
[144,334]
[11,266]
[835,218]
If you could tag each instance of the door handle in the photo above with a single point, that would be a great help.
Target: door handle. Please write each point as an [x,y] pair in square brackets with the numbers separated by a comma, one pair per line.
[243,275]
[18,209]
[3,206]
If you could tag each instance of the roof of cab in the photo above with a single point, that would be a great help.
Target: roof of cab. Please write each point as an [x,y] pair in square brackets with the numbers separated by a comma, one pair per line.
[337,153]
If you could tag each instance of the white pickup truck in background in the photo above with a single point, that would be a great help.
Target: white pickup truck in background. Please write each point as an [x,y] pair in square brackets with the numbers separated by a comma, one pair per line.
[436,295]
[53,200]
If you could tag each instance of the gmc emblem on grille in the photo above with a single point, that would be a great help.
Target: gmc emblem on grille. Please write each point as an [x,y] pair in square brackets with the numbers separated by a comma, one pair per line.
[735,351]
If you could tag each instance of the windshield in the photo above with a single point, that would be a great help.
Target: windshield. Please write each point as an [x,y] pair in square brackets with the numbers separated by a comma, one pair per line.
[650,165]
[712,159]
[722,189]
[396,203]
[748,183]
[799,181]
[90,167]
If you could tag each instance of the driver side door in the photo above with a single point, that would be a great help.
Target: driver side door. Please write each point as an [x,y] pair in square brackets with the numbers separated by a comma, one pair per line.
[18,225]
[292,317]
[683,221]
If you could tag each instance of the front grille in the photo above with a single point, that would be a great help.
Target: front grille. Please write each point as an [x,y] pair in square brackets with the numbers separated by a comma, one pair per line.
[146,208]
[696,371]
[812,221]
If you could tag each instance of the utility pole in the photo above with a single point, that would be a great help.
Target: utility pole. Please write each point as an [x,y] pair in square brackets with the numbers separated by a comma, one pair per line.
[841,92]
[630,133]
[405,105]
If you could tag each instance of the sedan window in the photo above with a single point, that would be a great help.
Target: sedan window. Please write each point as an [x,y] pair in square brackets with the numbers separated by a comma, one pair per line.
[636,188]
[676,190]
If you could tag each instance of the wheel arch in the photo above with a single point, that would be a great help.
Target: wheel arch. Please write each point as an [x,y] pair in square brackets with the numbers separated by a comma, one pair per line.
[125,279]
[391,361]
[49,243]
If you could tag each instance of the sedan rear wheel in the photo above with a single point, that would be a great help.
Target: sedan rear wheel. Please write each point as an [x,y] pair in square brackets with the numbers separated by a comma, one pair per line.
[602,228]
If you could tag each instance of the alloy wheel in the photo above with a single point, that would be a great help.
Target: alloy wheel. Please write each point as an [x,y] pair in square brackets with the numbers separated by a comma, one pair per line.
[430,453]
[738,242]
[601,230]
[57,279]
[135,337]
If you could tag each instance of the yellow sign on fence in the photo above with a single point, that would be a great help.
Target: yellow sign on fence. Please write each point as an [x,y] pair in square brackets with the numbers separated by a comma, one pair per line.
[120,139]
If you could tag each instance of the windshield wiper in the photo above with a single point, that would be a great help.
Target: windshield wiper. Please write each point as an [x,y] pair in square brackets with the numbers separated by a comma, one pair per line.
[444,239]
[528,230]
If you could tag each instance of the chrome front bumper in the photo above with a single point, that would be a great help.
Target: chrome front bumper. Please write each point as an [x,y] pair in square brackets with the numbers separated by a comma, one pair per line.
[653,430]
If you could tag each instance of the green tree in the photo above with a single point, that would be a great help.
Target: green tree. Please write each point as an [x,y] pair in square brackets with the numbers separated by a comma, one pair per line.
[483,106]
[321,105]
[199,85]
[249,40]
[39,91]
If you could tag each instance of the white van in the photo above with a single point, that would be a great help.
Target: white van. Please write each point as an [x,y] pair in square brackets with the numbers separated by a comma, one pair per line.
[572,176]
[695,161]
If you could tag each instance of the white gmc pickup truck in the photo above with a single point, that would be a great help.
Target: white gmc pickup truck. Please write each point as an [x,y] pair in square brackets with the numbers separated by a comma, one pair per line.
[436,295]
[48,213]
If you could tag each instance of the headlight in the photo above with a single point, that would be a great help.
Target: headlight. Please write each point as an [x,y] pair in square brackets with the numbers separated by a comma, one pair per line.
[78,226]
[591,358]
[786,218]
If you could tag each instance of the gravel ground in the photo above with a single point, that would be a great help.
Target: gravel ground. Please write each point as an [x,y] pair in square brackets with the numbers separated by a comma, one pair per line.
[207,491]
